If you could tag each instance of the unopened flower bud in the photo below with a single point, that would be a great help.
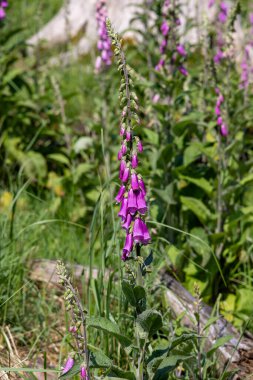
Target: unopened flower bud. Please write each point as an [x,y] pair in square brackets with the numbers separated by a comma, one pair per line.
[68,365]
[73,329]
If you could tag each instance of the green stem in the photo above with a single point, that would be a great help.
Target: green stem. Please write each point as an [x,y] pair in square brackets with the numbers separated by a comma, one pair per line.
[13,211]
[139,279]
[141,362]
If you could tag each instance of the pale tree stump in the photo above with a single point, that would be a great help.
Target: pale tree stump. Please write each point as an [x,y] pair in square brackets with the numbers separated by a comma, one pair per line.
[76,21]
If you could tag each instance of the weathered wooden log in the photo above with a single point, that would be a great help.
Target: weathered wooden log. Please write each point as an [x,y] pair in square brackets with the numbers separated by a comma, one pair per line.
[237,353]
[45,271]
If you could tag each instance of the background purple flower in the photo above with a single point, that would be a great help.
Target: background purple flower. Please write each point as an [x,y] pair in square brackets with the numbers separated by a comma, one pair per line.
[165,28]
[224,130]
[169,43]
[181,50]
[211,3]
[251,18]
[183,71]
[220,41]
[3,4]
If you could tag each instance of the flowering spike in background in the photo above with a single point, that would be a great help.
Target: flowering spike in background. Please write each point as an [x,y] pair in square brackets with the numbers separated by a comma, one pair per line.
[222,19]
[247,62]
[104,43]
[170,43]
[219,113]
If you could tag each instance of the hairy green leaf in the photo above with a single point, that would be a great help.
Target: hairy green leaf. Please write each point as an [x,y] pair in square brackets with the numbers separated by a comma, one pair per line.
[148,323]
[109,327]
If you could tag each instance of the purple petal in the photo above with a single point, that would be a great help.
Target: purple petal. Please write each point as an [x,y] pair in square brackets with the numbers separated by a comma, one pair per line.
[83,373]
[134,182]
[224,130]
[127,223]
[181,50]
[219,120]
[140,146]
[141,203]
[142,186]
[132,202]
[138,234]
[146,234]
[134,161]
[125,175]
[128,136]
[123,210]
[128,247]
[120,195]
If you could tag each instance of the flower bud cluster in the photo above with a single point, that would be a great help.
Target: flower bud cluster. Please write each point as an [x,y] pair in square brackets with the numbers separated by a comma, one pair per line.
[3,4]
[168,29]
[74,307]
[132,192]
[69,298]
[218,113]
[104,43]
